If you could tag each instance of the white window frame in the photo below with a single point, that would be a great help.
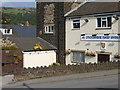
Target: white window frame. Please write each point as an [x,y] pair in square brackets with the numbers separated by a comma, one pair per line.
[5,31]
[49,30]
[102,21]
[76,61]
[75,22]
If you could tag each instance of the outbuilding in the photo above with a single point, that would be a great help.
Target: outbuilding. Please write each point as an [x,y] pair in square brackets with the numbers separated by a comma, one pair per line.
[35,57]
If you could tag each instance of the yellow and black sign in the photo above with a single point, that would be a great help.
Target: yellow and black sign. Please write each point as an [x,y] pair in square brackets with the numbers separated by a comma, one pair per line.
[38,46]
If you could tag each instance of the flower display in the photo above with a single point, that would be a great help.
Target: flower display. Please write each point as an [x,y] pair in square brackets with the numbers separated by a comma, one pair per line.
[90,53]
[7,44]
[117,55]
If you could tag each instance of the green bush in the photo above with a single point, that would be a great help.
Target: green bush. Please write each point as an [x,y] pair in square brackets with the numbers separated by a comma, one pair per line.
[56,64]
[8,47]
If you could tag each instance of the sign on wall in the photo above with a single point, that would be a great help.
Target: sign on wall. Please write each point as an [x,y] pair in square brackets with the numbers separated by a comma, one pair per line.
[101,37]
[103,46]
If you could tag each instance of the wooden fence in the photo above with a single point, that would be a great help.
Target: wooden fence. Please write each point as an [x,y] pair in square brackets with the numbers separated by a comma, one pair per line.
[11,61]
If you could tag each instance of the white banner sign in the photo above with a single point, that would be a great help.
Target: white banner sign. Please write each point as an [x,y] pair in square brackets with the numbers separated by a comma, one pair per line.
[101,37]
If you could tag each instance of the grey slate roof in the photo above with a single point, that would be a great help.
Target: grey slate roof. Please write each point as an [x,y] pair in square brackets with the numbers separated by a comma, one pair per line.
[96,8]
[25,31]
[21,31]
[25,38]
[27,43]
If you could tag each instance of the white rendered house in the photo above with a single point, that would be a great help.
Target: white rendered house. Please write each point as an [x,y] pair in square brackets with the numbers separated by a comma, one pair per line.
[93,33]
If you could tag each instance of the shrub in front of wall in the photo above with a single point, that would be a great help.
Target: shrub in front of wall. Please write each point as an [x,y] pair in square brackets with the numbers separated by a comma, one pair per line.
[55,64]
[17,57]
[7,44]
[8,47]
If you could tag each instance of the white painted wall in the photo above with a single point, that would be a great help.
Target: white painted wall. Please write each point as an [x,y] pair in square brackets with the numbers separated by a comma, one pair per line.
[38,58]
[73,41]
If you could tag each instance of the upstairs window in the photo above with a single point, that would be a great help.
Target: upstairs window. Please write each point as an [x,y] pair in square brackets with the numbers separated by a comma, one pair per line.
[76,24]
[104,22]
[49,29]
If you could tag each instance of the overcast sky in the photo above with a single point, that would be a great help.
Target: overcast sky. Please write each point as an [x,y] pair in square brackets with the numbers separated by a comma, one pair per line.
[17,0]
[18,3]
[31,3]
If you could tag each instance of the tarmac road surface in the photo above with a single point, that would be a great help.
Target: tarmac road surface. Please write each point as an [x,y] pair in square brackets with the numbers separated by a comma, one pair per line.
[97,80]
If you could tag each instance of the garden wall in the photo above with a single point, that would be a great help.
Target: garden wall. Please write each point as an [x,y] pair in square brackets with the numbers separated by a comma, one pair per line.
[40,72]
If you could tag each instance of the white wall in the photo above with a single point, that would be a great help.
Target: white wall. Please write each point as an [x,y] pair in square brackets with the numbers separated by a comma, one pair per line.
[38,58]
[73,41]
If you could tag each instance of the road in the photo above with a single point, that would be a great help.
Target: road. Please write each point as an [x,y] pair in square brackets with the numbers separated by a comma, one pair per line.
[99,82]
[96,82]
[103,79]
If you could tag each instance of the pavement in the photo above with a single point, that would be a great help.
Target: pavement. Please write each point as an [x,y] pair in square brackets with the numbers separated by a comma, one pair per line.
[4,80]
[63,78]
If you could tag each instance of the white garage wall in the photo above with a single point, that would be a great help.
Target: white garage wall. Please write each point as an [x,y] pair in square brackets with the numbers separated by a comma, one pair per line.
[38,58]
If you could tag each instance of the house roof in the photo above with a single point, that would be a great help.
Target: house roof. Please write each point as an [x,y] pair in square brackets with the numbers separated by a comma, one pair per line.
[20,31]
[89,8]
[25,31]
[27,43]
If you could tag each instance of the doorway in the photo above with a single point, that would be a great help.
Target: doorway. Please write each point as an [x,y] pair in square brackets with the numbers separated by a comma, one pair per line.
[103,58]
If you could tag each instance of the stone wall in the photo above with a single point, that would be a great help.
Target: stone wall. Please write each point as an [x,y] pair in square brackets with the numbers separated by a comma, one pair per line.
[53,13]
[40,72]
[49,10]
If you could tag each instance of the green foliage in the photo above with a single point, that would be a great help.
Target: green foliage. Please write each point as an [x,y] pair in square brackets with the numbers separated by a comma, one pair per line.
[7,44]
[15,11]
[8,47]
[55,64]
[18,16]
[17,57]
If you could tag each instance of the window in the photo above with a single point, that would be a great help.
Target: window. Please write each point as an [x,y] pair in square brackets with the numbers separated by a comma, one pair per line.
[49,29]
[7,31]
[78,57]
[76,24]
[104,22]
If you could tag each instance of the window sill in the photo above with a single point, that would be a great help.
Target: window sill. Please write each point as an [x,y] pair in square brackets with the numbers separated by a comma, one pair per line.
[103,28]
[76,29]
[76,62]
[48,33]
[7,34]
[82,51]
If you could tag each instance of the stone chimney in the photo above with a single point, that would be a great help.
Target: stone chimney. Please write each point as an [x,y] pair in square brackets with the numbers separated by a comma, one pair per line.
[26,23]
[75,4]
